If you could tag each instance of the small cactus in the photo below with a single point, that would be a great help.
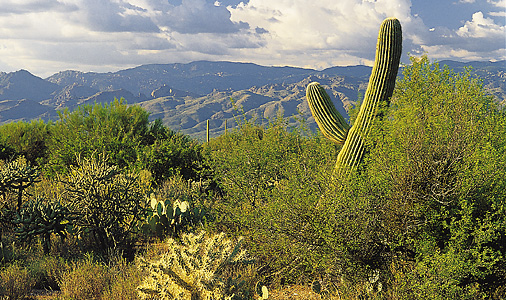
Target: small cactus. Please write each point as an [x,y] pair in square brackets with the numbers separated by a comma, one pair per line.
[192,269]
[15,177]
[170,218]
[378,93]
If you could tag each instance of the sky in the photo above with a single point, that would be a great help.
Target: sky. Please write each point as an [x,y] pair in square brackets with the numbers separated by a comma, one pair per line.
[48,36]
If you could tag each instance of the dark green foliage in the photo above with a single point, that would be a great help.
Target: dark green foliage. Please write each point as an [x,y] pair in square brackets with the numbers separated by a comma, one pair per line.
[429,195]
[173,154]
[107,202]
[40,218]
[270,189]
[6,151]
[116,129]
[438,177]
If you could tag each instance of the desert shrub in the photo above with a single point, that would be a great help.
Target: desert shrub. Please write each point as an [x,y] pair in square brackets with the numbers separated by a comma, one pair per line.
[192,269]
[125,279]
[434,183]
[6,151]
[250,162]
[16,282]
[86,279]
[47,271]
[271,180]
[430,192]
[116,129]
[124,286]
[429,196]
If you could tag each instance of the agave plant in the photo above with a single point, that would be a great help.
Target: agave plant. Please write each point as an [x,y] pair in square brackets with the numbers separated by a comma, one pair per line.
[41,218]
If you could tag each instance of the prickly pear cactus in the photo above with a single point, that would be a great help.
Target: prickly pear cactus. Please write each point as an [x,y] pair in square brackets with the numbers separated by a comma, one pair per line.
[166,218]
[40,218]
[378,93]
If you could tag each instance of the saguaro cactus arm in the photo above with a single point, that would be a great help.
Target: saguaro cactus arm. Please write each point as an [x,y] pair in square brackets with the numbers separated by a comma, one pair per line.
[379,90]
[330,121]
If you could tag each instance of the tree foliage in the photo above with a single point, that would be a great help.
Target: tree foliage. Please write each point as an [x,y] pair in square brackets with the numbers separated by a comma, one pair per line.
[115,128]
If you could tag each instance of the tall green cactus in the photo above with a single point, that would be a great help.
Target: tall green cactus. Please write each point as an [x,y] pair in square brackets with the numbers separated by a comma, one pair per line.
[379,91]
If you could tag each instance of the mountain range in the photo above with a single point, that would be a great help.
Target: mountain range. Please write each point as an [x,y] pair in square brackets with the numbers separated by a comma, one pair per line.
[185,96]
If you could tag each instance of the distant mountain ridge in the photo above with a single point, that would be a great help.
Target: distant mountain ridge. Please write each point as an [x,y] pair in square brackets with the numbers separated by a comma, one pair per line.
[184,96]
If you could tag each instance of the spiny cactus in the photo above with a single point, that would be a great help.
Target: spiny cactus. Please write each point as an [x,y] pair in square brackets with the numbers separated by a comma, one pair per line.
[40,218]
[166,218]
[106,200]
[192,269]
[378,93]
[16,176]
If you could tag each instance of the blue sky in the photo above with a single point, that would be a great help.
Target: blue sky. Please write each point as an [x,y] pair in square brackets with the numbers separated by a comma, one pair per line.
[47,36]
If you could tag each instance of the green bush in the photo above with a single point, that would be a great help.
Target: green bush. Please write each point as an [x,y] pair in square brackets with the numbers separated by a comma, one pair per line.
[271,180]
[435,184]
[429,194]
[47,271]
[27,139]
[173,155]
[116,129]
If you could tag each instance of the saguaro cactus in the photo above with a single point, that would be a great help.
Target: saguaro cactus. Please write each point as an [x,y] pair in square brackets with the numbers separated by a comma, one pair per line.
[379,90]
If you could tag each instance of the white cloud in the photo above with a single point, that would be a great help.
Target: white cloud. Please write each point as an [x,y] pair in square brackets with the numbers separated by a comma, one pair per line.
[323,32]
[481,27]
[498,3]
[498,13]
[478,39]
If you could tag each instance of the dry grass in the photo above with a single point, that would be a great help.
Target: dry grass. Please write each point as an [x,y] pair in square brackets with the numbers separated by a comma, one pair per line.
[294,292]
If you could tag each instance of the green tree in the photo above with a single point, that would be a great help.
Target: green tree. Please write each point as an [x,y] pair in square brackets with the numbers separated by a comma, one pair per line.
[172,154]
[116,129]
[27,139]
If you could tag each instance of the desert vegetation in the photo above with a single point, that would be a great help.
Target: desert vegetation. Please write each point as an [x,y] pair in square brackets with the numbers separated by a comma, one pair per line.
[102,204]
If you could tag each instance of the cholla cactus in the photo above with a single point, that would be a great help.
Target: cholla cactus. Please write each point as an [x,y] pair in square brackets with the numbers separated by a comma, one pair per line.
[191,270]
[15,177]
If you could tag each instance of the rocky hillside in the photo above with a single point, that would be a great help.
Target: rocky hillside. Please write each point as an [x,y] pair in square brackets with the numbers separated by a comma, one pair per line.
[185,96]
